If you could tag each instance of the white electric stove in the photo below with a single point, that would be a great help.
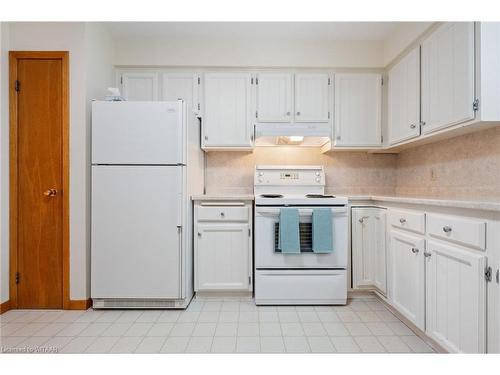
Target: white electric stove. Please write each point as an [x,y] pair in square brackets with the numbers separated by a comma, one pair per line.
[306,278]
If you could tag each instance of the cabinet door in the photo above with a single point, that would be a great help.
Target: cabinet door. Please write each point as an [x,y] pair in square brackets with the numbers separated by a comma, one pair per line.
[312,97]
[228,117]
[379,251]
[222,257]
[408,276]
[404,98]
[140,86]
[362,223]
[368,248]
[456,298]
[448,76]
[182,86]
[358,110]
[274,97]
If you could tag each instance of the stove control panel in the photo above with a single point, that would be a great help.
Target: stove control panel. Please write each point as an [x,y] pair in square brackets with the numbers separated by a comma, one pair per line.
[289,176]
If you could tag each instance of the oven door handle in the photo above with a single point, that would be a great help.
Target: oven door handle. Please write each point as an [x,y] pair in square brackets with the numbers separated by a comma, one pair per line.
[302,211]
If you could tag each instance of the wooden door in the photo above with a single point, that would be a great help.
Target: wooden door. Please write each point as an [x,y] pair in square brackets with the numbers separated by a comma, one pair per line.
[274,97]
[228,113]
[222,257]
[312,102]
[38,104]
[358,108]
[456,297]
[448,76]
[408,272]
[404,98]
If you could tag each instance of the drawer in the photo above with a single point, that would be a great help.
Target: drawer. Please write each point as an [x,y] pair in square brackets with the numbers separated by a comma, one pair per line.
[222,213]
[300,287]
[465,231]
[410,220]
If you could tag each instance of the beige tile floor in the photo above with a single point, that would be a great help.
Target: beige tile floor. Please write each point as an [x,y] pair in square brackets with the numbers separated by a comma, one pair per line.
[212,325]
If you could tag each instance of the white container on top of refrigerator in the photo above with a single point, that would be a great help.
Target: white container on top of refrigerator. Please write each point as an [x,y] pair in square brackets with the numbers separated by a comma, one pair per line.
[146,163]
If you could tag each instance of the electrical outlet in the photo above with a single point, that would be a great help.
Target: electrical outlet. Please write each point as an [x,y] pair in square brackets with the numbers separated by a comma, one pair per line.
[433,174]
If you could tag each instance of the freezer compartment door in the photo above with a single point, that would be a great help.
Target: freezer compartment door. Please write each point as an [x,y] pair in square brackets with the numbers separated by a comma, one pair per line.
[136,238]
[137,133]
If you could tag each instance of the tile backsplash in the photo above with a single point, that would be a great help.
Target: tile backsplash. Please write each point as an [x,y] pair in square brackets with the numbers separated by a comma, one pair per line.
[464,167]
[346,172]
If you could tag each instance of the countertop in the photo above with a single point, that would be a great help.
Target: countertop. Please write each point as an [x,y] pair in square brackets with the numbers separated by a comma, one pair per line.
[227,197]
[456,203]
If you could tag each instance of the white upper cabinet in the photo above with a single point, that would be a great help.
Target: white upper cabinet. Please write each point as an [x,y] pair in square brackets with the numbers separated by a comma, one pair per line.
[228,111]
[182,86]
[358,109]
[448,76]
[456,298]
[312,97]
[139,86]
[408,276]
[404,98]
[274,97]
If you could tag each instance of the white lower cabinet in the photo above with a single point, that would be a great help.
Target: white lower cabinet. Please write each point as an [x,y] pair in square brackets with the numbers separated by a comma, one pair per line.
[408,276]
[456,298]
[222,247]
[369,248]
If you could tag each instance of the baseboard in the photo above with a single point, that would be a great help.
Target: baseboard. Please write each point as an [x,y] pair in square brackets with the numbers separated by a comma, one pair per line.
[80,304]
[4,307]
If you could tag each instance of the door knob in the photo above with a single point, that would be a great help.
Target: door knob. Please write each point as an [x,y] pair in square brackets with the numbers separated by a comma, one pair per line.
[50,192]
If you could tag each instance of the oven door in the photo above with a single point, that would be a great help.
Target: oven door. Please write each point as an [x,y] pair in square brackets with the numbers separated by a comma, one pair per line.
[268,256]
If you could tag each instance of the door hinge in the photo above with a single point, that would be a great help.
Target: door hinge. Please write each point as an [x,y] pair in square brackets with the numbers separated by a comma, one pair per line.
[249,280]
[121,80]
[329,81]
[18,277]
[475,105]
[198,106]
[256,114]
[328,115]
[498,276]
[487,274]
[17,85]
[382,81]
[249,232]
[199,81]
[256,80]
[381,139]
[251,81]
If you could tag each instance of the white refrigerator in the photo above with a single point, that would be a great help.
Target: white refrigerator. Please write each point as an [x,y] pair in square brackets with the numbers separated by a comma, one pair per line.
[146,164]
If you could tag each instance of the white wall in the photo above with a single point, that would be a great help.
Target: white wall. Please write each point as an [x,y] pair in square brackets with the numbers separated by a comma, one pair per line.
[4,162]
[84,42]
[401,38]
[247,53]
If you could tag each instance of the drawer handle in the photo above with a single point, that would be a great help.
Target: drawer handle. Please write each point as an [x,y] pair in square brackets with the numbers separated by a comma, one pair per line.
[199,234]
[402,220]
[222,214]
[414,250]
[446,229]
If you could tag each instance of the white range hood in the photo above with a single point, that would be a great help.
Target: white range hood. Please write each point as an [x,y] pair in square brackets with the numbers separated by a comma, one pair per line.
[295,134]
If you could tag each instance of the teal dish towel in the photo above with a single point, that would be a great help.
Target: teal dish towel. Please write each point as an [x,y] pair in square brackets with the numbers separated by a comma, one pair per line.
[322,236]
[288,237]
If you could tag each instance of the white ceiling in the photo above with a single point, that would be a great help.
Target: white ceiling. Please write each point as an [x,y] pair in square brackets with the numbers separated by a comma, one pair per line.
[286,31]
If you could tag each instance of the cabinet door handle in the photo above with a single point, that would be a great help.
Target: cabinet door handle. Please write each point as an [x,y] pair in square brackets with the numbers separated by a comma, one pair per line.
[413,126]
[446,229]
[402,220]
[206,138]
[199,234]
[427,254]
[414,250]
[288,113]
[422,123]
[362,220]
[222,214]
[298,113]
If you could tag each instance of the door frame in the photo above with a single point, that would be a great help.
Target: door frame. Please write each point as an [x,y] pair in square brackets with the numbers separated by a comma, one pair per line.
[14,56]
